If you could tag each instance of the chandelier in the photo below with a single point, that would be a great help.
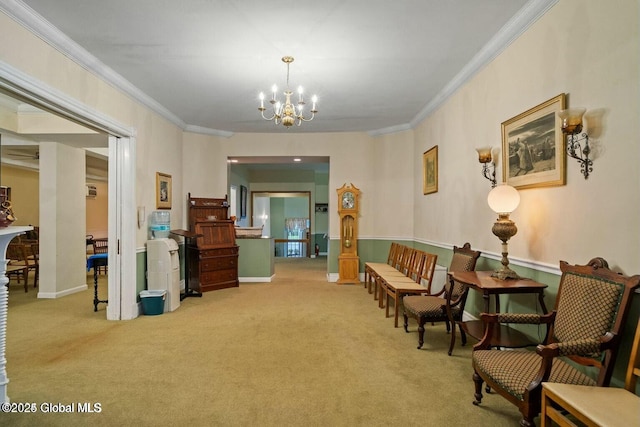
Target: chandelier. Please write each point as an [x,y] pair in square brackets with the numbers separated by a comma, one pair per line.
[287,113]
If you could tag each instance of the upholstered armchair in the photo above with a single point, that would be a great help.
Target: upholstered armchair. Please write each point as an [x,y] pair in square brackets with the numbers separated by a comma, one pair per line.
[447,305]
[584,328]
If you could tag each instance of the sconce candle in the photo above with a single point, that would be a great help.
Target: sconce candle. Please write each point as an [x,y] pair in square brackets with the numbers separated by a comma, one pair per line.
[571,126]
[485,157]
[484,154]
[571,120]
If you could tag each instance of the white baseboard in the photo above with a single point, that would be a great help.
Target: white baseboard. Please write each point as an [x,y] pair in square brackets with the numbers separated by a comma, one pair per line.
[54,295]
[256,279]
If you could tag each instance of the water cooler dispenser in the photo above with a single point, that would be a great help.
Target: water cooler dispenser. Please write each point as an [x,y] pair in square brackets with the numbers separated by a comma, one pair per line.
[163,270]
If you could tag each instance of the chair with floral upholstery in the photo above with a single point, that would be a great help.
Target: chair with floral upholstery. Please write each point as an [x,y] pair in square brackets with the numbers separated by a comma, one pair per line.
[447,305]
[583,329]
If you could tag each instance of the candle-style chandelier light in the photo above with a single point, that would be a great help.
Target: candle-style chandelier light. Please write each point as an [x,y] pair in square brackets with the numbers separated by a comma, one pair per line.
[287,113]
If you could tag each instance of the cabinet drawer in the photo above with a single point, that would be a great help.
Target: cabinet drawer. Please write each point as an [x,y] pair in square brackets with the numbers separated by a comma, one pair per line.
[205,253]
[218,276]
[218,263]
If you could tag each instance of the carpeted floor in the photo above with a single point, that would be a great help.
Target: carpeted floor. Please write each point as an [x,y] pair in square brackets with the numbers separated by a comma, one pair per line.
[297,351]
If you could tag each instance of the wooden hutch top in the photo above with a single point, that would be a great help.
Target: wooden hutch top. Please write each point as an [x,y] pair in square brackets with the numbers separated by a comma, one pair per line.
[209,218]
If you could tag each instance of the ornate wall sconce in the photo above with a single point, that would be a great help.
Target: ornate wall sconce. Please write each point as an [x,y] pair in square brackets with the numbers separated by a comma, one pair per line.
[503,200]
[571,126]
[488,165]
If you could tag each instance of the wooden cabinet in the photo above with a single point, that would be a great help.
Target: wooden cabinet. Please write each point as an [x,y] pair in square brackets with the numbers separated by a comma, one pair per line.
[213,259]
[212,269]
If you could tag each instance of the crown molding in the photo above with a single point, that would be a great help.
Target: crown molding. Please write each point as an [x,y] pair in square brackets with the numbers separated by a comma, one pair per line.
[42,95]
[390,129]
[208,131]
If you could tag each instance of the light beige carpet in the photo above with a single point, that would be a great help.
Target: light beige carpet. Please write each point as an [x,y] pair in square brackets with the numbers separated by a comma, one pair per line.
[297,351]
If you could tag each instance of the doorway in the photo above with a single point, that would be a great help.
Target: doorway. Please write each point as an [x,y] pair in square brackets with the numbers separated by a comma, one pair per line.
[121,227]
[285,216]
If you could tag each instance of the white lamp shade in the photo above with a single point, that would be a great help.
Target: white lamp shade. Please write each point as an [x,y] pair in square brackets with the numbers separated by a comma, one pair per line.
[503,199]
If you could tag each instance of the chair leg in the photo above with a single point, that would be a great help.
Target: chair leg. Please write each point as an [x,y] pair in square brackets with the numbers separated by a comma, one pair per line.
[526,422]
[463,335]
[477,379]
[421,322]
[396,308]
[452,342]
[446,322]
[406,322]
[25,276]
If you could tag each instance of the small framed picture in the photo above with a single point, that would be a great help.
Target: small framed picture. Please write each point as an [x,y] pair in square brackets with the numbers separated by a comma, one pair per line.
[430,171]
[533,153]
[243,201]
[322,207]
[163,191]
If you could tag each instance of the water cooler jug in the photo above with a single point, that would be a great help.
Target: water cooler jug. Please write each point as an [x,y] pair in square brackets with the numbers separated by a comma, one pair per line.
[163,270]
[160,224]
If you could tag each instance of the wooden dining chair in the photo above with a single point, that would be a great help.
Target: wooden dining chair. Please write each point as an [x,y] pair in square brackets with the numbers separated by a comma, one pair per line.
[418,282]
[371,268]
[447,305]
[101,246]
[22,261]
[595,406]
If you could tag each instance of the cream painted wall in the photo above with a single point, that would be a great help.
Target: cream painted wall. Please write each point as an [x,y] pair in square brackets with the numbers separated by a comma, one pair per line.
[159,151]
[25,193]
[589,50]
[62,220]
[394,191]
[158,142]
[352,160]
[25,198]
[98,211]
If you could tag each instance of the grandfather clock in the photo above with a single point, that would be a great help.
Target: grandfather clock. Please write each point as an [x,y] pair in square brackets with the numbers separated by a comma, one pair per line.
[348,261]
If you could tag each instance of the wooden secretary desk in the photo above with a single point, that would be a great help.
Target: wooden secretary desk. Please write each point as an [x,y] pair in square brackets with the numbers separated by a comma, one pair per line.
[213,258]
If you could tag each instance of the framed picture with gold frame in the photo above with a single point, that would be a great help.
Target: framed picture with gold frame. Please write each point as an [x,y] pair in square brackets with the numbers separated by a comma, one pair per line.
[533,153]
[430,171]
[163,191]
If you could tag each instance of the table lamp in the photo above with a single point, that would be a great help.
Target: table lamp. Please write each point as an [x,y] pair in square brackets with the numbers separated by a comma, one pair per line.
[503,200]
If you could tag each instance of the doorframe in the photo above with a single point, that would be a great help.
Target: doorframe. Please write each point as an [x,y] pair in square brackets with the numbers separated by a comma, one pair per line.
[122,222]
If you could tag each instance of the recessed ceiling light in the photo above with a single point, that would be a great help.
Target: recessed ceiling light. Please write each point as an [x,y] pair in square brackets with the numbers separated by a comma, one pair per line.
[297,160]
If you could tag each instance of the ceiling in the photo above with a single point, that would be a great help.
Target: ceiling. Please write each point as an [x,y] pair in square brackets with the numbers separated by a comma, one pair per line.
[375,65]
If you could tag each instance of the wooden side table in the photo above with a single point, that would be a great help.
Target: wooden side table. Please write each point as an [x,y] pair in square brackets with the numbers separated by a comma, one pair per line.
[482,281]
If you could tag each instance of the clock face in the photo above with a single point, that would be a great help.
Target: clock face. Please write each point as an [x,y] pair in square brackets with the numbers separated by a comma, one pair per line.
[348,201]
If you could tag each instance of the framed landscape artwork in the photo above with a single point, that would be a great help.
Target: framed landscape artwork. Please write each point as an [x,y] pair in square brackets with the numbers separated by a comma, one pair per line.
[533,147]
[163,191]
[430,171]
